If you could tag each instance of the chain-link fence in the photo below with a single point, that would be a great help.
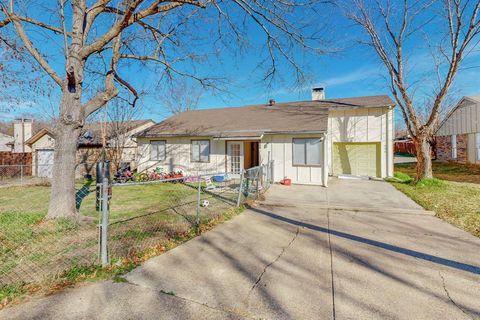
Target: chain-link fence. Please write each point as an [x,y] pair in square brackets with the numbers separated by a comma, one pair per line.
[142,214]
[17,174]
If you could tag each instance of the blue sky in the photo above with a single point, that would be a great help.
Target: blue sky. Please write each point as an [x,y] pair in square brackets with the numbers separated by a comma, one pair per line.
[352,71]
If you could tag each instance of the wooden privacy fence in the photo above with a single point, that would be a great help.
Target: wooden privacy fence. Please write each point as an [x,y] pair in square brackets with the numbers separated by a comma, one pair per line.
[407,147]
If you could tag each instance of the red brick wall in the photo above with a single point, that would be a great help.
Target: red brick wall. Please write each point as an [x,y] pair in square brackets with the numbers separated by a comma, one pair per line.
[443,145]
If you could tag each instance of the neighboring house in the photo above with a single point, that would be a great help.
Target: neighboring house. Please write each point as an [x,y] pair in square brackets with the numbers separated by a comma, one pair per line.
[90,146]
[5,142]
[22,131]
[308,140]
[458,137]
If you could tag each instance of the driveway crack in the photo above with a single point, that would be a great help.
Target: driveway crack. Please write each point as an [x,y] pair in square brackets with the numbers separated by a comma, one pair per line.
[240,313]
[284,249]
[450,298]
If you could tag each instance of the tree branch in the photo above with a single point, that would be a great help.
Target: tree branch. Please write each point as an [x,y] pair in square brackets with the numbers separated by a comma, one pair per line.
[130,18]
[31,49]
[110,91]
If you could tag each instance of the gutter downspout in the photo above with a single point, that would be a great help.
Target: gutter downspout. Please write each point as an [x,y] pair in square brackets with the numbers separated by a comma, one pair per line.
[325,161]
[388,143]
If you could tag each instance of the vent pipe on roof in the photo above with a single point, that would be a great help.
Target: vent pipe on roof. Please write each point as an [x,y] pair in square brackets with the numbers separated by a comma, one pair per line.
[318,93]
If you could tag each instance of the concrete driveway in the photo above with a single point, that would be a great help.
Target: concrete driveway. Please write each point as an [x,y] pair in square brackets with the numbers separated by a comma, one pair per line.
[356,250]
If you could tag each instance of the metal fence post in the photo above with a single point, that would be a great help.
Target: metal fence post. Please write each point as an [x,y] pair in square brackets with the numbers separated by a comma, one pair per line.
[198,200]
[21,174]
[104,225]
[270,168]
[239,199]
[258,180]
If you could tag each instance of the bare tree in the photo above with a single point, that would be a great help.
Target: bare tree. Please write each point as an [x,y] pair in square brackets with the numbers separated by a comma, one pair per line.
[449,28]
[182,96]
[122,119]
[129,34]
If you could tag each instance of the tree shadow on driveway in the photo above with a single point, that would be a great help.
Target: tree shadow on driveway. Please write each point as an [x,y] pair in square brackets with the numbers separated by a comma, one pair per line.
[416,254]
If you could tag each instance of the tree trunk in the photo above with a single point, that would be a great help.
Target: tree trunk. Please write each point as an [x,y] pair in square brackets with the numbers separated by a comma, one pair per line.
[424,157]
[67,130]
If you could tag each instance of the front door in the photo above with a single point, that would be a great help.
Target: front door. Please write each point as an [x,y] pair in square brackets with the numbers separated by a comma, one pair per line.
[234,157]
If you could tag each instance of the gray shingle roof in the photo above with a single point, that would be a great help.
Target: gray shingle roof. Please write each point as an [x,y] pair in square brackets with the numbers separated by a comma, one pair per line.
[255,120]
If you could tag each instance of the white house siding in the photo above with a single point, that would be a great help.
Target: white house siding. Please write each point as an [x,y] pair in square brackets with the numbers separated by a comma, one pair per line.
[178,156]
[279,148]
[44,143]
[363,125]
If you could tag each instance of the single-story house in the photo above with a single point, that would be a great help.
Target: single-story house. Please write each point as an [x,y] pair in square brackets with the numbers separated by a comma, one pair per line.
[458,136]
[308,140]
[121,147]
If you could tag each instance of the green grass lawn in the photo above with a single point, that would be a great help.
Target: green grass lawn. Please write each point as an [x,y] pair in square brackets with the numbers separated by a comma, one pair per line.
[450,171]
[141,216]
[455,202]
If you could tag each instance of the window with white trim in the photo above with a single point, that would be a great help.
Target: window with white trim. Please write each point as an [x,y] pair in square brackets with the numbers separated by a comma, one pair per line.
[200,150]
[454,146]
[158,150]
[306,151]
[477,144]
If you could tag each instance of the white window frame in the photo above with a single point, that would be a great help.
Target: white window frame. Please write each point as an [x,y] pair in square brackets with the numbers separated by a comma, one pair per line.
[305,162]
[477,145]
[454,146]
[199,160]
[155,146]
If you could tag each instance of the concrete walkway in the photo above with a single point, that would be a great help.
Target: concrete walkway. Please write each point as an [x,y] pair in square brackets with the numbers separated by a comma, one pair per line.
[295,258]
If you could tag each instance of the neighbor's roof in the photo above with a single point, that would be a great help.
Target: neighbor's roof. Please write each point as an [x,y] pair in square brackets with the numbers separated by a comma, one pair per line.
[473,98]
[92,132]
[38,135]
[256,120]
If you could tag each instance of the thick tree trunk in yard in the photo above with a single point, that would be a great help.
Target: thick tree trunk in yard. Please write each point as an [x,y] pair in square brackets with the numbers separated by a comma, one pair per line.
[424,157]
[62,199]
[67,131]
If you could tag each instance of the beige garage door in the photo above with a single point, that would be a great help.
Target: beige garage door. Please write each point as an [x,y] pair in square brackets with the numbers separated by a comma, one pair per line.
[356,158]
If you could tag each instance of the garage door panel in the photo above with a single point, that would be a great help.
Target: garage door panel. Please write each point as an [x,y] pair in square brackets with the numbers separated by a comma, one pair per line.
[360,159]
[44,163]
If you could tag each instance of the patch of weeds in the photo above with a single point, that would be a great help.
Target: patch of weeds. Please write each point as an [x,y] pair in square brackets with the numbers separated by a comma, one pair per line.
[403,177]
[170,293]
[400,177]
[430,182]
[66,224]
[11,291]
[78,272]
[119,279]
